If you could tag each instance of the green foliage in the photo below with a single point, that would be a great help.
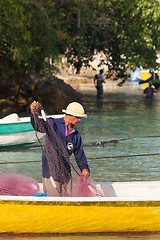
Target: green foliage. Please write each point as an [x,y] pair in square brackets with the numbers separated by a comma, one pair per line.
[35,31]
[27,36]
[127,32]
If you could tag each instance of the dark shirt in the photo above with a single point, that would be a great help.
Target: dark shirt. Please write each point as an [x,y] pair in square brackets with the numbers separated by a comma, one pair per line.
[149,92]
[72,144]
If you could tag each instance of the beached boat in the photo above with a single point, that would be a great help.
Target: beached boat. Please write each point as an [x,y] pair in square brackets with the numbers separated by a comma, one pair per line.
[129,207]
[15,130]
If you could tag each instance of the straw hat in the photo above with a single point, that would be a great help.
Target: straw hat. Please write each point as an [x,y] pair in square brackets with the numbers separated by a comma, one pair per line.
[75,109]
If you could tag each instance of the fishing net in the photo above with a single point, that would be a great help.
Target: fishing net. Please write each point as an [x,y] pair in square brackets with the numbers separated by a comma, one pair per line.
[83,187]
[58,158]
[55,153]
[17,185]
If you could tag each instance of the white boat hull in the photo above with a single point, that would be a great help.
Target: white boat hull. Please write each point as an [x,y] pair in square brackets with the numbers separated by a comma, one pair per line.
[13,139]
[17,131]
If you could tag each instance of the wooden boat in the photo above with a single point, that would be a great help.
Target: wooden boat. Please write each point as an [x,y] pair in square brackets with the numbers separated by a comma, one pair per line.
[129,207]
[17,131]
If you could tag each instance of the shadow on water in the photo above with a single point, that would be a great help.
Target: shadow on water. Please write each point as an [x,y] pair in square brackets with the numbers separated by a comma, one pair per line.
[122,101]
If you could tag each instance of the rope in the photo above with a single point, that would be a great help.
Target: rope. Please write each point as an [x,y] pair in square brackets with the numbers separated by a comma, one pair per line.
[122,156]
[20,162]
[4,191]
[115,129]
[100,125]
[102,143]
[90,158]
[115,141]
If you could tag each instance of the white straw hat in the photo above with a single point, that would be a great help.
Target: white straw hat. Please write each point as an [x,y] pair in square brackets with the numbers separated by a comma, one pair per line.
[75,109]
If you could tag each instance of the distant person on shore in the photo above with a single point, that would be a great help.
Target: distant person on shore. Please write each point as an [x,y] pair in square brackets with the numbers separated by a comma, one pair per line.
[78,64]
[149,91]
[98,83]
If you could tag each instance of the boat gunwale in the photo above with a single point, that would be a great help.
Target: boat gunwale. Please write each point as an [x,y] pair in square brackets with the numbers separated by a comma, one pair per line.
[116,201]
[27,119]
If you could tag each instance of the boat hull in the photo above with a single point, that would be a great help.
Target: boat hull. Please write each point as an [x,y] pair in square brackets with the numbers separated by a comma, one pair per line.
[21,138]
[78,215]
[19,132]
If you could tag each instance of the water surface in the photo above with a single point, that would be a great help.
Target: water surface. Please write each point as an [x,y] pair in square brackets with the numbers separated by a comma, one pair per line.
[124,115]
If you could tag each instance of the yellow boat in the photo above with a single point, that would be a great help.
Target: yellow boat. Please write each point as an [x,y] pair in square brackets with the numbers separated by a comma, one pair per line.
[129,207]
[140,75]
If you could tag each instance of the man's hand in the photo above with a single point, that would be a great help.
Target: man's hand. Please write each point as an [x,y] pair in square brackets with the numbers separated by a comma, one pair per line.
[85,173]
[34,107]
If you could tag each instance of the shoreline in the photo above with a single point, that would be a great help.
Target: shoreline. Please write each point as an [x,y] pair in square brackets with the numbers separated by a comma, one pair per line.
[84,84]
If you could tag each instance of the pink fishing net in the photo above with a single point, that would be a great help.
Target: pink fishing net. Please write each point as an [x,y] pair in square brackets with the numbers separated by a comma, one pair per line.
[83,187]
[17,185]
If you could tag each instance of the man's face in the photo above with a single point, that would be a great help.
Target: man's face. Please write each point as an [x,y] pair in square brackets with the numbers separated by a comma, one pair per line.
[73,120]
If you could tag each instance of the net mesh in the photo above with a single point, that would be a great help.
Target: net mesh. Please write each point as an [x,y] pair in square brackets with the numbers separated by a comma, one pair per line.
[17,185]
[54,151]
[58,157]
[83,187]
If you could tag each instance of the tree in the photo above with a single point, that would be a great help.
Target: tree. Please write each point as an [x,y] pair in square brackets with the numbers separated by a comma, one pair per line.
[127,32]
[35,31]
[28,41]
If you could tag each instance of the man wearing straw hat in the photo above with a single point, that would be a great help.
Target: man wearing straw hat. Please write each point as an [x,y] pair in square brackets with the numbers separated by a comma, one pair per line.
[57,179]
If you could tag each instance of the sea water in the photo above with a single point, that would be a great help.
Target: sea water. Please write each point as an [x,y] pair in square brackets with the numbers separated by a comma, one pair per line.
[125,115]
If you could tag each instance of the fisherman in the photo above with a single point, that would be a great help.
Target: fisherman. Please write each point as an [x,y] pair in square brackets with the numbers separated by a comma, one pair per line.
[149,91]
[56,167]
[98,83]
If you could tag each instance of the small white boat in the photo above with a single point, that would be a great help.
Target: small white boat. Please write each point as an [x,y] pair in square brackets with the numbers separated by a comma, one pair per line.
[15,130]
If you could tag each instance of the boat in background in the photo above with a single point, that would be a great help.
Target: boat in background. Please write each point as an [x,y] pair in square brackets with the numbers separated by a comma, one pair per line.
[142,77]
[129,207]
[15,131]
